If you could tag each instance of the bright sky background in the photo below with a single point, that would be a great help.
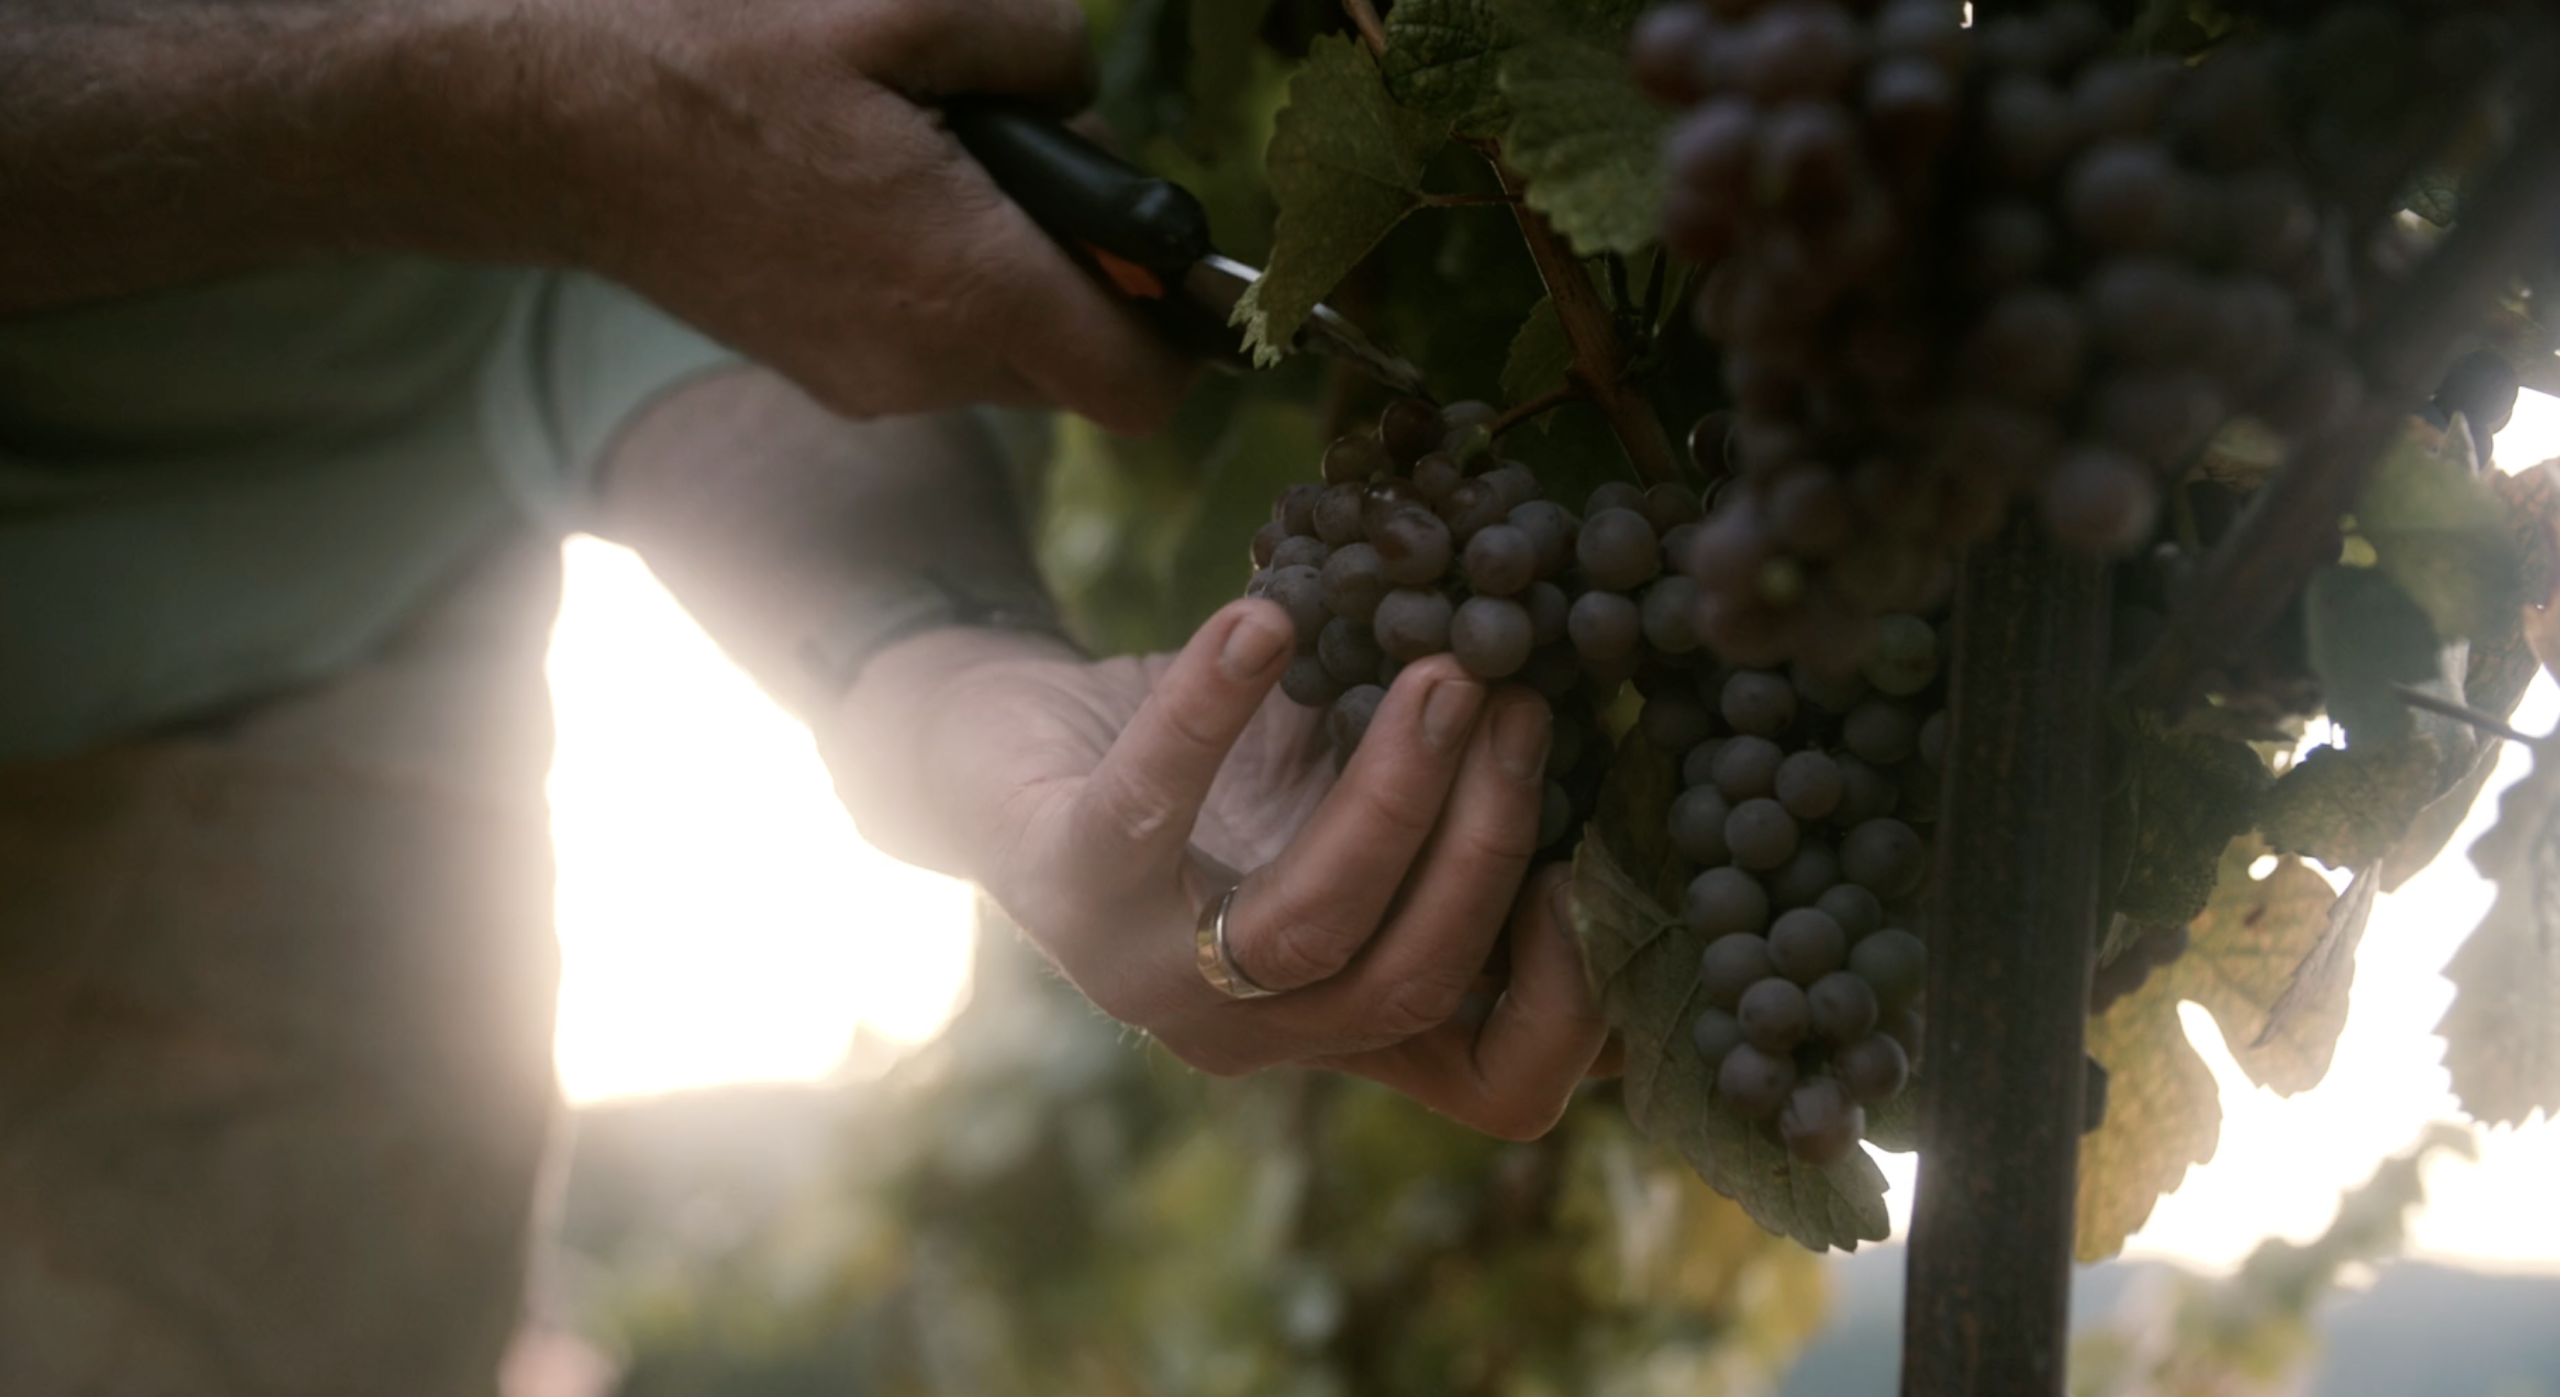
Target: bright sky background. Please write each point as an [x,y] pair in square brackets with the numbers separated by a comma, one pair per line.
[720,920]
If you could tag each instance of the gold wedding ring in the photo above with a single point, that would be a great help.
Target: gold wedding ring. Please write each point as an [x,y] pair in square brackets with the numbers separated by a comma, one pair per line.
[1218,964]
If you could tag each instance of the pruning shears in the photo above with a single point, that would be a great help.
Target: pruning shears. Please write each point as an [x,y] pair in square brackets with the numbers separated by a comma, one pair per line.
[1145,234]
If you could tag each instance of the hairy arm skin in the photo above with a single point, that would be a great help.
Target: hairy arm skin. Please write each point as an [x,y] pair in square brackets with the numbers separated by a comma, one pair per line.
[773,172]
[145,143]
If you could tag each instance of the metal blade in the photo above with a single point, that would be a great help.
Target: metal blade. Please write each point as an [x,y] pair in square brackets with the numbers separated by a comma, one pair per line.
[1219,282]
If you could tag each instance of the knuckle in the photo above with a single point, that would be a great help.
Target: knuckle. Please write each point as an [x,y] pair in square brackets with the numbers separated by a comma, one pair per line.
[1413,1006]
[1402,809]
[1300,951]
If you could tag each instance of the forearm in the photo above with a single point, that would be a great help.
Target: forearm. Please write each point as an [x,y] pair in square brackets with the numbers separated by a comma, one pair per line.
[793,535]
[150,142]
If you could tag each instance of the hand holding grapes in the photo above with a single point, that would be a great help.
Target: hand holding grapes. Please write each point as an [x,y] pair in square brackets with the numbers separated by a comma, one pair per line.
[1104,805]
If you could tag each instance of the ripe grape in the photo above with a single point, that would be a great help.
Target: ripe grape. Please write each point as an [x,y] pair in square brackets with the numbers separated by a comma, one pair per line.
[1412,623]
[1697,825]
[1894,964]
[1760,833]
[1355,459]
[1727,902]
[1266,544]
[1774,1015]
[1667,612]
[1732,964]
[1715,1034]
[1300,551]
[2100,500]
[1802,879]
[1413,548]
[1354,580]
[1880,731]
[1758,703]
[1605,625]
[1348,720]
[1808,784]
[1349,651]
[1872,1068]
[1806,945]
[1857,910]
[1491,636]
[1307,682]
[1500,560]
[1617,549]
[1410,427]
[1884,855]
[1337,515]
[1865,792]
[1300,592]
[1843,1007]
[1746,767]
[1754,1084]
[1820,1124]
[1549,611]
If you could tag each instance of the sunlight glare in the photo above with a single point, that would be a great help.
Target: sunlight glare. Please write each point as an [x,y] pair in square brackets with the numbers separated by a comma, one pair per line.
[720,918]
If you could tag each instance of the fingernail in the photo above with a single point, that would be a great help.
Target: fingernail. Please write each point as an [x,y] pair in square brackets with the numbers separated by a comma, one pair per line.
[1449,712]
[1521,732]
[1256,641]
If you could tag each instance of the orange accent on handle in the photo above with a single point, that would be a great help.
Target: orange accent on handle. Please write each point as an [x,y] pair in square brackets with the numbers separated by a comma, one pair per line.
[1128,275]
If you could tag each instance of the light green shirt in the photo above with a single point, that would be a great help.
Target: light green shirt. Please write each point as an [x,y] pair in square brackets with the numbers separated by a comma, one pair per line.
[214,493]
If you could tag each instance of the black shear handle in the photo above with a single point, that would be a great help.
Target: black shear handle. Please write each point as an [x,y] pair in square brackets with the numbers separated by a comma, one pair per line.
[1142,231]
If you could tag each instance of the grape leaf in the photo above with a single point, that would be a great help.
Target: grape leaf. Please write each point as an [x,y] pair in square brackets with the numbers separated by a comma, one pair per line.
[1346,166]
[2162,1116]
[2314,1004]
[2191,795]
[2498,670]
[1644,963]
[2365,635]
[1539,355]
[1444,58]
[2440,533]
[2348,808]
[1582,136]
[2502,1033]
[2163,1112]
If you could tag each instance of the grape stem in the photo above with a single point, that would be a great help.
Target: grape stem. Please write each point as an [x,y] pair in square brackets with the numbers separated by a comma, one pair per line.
[1364,17]
[2290,530]
[1600,355]
[1518,413]
[2489,723]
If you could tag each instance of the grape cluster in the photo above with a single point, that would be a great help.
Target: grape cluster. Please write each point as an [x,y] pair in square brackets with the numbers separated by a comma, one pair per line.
[1423,540]
[1799,817]
[1956,266]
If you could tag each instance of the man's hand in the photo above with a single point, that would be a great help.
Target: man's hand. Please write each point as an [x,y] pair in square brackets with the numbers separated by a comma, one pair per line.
[771,170]
[775,173]
[1105,804]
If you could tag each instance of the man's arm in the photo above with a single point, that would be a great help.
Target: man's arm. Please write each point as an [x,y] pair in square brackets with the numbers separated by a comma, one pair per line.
[145,143]
[770,170]
[1082,793]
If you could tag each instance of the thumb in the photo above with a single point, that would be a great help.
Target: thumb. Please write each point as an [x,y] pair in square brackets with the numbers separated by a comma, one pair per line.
[1135,811]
